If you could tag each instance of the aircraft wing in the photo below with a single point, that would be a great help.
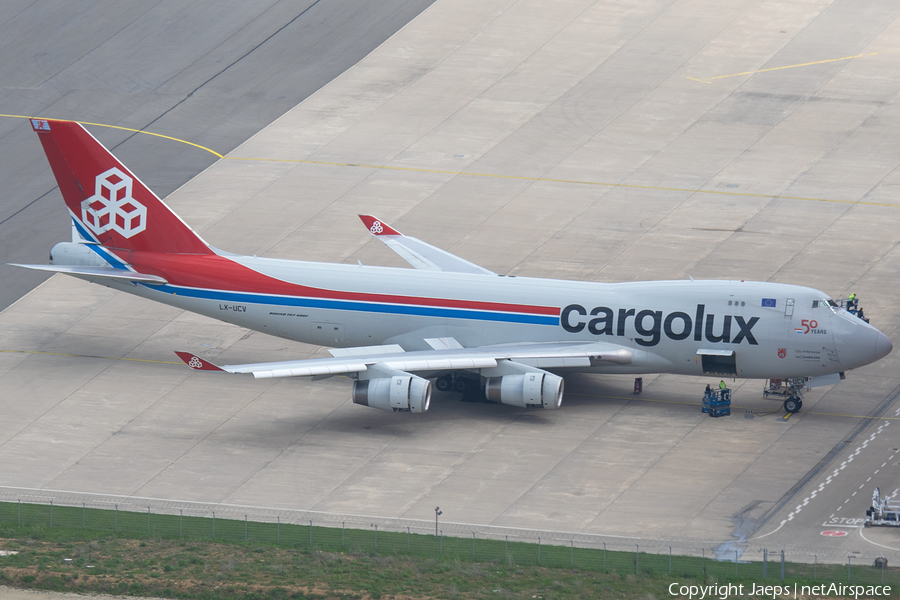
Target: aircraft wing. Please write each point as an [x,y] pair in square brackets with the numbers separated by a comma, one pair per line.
[105,272]
[418,253]
[446,355]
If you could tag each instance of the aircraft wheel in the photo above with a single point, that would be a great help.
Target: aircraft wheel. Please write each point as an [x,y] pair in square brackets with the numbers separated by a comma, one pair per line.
[444,383]
[792,405]
[461,385]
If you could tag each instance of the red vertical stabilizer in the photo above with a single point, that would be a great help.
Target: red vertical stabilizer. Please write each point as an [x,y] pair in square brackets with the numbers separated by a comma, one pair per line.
[110,204]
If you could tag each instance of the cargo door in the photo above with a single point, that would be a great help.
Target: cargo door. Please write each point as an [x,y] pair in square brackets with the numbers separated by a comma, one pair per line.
[718,362]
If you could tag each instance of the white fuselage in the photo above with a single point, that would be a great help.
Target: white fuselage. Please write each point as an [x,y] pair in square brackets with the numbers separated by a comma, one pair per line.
[774,330]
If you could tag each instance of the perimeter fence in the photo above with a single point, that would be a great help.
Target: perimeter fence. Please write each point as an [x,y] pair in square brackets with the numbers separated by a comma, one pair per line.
[155,518]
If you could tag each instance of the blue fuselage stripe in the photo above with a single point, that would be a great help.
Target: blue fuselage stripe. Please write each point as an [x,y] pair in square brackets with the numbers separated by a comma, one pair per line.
[102,252]
[371,307]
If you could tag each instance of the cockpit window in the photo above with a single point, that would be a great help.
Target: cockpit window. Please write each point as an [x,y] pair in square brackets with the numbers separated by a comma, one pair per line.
[815,304]
[832,303]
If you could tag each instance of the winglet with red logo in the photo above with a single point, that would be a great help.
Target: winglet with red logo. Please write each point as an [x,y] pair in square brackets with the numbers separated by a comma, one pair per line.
[197,363]
[377,226]
[108,202]
[418,253]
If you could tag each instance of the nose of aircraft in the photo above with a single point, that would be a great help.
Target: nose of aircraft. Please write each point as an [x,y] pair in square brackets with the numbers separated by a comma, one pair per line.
[858,343]
[883,345]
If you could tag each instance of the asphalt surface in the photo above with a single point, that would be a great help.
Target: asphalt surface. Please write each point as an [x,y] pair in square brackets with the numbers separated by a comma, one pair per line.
[8,593]
[209,72]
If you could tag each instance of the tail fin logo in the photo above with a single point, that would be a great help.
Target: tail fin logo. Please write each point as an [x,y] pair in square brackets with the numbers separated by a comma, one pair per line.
[112,207]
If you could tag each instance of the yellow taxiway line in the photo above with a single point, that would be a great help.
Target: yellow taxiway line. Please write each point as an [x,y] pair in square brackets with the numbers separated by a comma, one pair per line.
[569,181]
[498,175]
[806,64]
[806,412]
[159,135]
[147,360]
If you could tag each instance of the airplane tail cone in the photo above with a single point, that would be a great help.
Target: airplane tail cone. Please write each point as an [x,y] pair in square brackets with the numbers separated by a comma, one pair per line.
[108,203]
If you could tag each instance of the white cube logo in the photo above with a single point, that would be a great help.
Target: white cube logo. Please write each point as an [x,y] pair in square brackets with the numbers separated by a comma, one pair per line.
[112,207]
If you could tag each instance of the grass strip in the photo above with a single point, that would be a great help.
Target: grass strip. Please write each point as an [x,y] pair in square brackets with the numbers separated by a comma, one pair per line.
[178,558]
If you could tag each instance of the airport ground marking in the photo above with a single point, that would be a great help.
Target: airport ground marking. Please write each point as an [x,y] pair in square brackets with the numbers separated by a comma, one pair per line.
[862,535]
[566,181]
[686,403]
[828,479]
[490,175]
[159,135]
[806,64]
[147,360]
[861,447]
[167,137]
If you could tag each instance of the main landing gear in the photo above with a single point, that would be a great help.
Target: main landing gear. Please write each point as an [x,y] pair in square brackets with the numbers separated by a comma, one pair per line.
[469,388]
[444,383]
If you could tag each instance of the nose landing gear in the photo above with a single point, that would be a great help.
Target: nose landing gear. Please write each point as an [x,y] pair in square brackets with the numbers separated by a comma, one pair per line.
[793,404]
[794,401]
[789,389]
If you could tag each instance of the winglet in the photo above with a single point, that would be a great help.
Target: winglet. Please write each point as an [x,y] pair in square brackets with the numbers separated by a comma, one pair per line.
[418,253]
[377,226]
[197,363]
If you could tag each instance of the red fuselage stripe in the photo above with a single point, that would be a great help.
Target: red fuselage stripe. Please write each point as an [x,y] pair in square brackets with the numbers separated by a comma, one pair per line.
[220,273]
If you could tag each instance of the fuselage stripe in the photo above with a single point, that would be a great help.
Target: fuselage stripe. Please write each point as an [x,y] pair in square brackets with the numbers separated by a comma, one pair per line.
[372,307]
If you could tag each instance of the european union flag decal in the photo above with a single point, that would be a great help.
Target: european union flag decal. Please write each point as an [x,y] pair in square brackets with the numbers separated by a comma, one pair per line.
[769,302]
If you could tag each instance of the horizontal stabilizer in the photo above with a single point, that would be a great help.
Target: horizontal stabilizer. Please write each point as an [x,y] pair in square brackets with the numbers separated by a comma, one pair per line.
[105,272]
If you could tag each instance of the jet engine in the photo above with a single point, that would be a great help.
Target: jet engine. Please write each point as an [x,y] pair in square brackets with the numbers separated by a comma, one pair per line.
[407,393]
[536,389]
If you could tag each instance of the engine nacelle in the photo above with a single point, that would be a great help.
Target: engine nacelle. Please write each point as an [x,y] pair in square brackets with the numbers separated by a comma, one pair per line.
[402,392]
[528,390]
